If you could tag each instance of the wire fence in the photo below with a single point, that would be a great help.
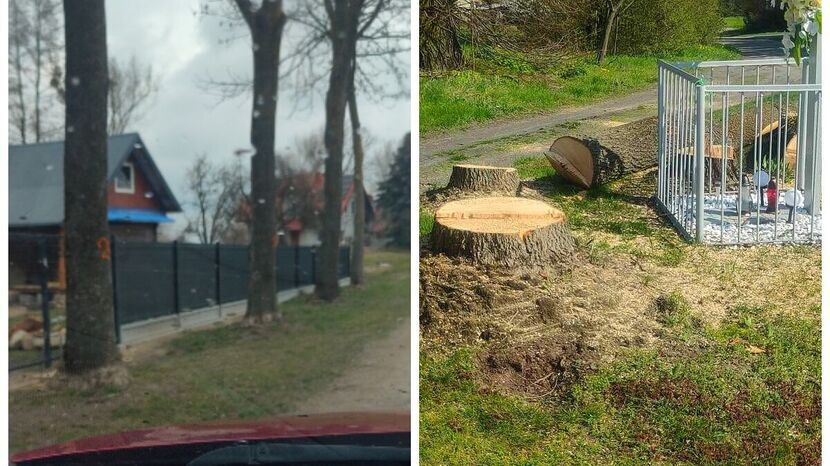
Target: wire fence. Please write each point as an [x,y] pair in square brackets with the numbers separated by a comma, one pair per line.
[740,151]
[150,280]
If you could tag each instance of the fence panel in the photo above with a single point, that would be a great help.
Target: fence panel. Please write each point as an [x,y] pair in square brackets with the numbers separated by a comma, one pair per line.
[197,276]
[343,262]
[145,281]
[305,265]
[234,273]
[285,268]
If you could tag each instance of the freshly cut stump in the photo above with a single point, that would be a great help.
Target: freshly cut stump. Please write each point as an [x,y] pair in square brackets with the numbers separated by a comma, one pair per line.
[482,178]
[507,231]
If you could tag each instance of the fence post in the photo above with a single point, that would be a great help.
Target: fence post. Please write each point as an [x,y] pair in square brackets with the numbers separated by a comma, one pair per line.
[176,280]
[115,311]
[699,160]
[661,130]
[44,301]
[218,261]
[314,266]
[296,266]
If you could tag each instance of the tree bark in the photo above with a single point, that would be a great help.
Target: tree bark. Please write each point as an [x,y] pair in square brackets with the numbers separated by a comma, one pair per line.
[356,268]
[485,179]
[90,330]
[266,26]
[511,232]
[343,17]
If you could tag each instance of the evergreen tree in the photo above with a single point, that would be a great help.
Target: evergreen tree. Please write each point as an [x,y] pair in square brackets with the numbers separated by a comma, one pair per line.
[394,196]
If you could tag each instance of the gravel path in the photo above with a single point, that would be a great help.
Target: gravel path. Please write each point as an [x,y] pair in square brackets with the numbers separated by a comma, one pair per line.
[377,380]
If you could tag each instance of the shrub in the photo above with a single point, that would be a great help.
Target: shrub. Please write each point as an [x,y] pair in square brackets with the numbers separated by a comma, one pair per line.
[666,26]
[759,16]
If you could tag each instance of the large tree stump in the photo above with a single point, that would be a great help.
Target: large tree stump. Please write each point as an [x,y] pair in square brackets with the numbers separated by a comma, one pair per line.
[507,231]
[483,178]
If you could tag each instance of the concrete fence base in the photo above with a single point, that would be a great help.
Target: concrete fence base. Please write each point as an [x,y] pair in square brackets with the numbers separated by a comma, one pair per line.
[151,329]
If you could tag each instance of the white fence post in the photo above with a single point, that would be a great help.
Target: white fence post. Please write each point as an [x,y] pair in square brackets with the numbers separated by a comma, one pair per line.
[700,132]
[812,153]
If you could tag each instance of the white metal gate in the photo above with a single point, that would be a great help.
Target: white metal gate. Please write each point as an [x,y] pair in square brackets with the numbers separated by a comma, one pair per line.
[728,128]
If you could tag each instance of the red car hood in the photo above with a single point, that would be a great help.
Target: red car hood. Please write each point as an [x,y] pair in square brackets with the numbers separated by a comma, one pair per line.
[318,425]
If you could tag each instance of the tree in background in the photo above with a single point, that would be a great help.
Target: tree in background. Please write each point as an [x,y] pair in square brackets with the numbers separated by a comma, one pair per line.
[265,23]
[131,87]
[613,10]
[34,53]
[90,330]
[343,19]
[438,45]
[394,195]
[36,78]
[217,193]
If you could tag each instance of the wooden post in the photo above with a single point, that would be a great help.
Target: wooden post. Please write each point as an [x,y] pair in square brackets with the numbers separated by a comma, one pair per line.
[61,263]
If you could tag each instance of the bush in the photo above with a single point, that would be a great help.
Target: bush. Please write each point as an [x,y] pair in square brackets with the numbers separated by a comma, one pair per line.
[666,26]
[759,16]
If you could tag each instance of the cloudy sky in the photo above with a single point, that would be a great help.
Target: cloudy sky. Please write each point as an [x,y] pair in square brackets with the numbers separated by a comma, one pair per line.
[186,48]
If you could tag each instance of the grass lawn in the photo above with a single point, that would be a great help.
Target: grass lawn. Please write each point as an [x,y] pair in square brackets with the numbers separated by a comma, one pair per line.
[732,376]
[727,404]
[734,22]
[501,84]
[227,372]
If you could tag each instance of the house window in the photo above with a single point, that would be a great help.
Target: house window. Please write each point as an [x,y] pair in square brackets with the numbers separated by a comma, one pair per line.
[125,179]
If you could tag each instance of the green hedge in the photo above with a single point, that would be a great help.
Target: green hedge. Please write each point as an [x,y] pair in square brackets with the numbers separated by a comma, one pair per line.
[666,26]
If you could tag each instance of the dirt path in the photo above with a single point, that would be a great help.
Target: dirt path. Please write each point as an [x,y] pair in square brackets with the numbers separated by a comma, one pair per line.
[377,380]
[432,146]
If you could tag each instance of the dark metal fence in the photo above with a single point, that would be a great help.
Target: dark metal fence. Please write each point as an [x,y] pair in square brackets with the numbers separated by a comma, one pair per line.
[159,279]
[33,275]
[150,280]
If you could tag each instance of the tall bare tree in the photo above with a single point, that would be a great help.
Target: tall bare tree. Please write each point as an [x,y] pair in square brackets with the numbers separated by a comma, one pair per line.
[265,23]
[131,87]
[358,245]
[34,51]
[90,330]
[613,10]
[19,34]
[217,194]
[343,17]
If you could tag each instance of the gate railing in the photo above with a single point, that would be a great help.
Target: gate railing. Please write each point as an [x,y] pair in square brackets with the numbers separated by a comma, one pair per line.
[725,130]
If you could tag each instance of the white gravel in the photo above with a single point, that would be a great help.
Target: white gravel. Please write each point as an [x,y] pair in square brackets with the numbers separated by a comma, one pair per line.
[753,229]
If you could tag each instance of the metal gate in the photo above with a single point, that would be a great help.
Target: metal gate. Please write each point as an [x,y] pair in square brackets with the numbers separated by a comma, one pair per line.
[739,158]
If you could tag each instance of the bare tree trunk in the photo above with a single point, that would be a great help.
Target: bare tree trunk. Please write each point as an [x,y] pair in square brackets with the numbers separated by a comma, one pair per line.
[609,26]
[343,19]
[90,330]
[17,46]
[38,66]
[266,25]
[356,267]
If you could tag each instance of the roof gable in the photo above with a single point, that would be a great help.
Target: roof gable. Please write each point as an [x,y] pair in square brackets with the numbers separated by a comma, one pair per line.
[36,178]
